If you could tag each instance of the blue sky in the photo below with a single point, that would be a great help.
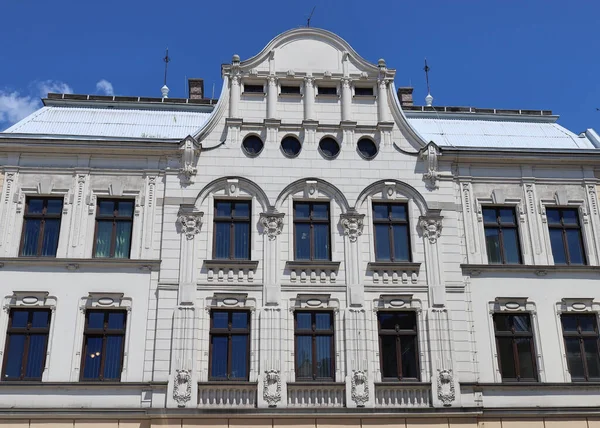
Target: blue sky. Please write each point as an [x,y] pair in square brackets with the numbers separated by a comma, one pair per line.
[535,54]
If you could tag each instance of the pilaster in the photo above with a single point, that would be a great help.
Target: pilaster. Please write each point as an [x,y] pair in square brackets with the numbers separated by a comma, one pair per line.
[310,131]
[360,386]
[271,97]
[346,98]
[272,223]
[348,127]
[272,386]
[352,223]
[309,98]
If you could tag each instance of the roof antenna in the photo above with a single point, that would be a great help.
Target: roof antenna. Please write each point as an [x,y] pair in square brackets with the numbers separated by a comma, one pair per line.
[310,16]
[165,89]
[428,98]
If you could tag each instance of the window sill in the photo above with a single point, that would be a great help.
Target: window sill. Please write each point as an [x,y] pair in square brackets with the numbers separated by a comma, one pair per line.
[214,382]
[323,383]
[403,266]
[312,264]
[290,95]
[365,97]
[237,264]
[539,270]
[401,383]
[75,264]
[328,96]
[254,94]
[528,384]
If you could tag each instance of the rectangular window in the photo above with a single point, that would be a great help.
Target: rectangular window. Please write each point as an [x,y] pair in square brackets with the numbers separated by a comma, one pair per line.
[290,89]
[103,345]
[254,89]
[232,230]
[229,345]
[114,223]
[26,344]
[392,236]
[515,347]
[314,345]
[312,231]
[581,344]
[398,345]
[501,235]
[565,236]
[327,90]
[363,92]
[41,226]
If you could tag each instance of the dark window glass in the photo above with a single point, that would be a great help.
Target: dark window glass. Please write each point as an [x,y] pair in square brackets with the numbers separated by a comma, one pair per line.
[26,343]
[312,231]
[367,148]
[290,89]
[515,347]
[501,236]
[252,145]
[327,90]
[581,344]
[114,222]
[232,230]
[229,345]
[254,89]
[565,236]
[329,147]
[363,92]
[314,346]
[398,351]
[41,226]
[392,237]
[291,146]
[103,345]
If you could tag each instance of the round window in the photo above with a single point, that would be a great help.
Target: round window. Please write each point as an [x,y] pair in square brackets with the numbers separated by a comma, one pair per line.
[367,148]
[329,147]
[291,146]
[252,145]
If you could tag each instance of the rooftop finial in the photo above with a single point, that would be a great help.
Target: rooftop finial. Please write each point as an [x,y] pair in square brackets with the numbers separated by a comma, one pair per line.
[165,89]
[428,98]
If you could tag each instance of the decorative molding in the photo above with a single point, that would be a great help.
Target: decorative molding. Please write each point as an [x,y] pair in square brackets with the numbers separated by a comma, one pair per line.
[539,270]
[189,149]
[431,226]
[272,223]
[352,222]
[190,221]
[74,264]
[445,387]
[359,387]
[430,155]
[182,387]
[272,387]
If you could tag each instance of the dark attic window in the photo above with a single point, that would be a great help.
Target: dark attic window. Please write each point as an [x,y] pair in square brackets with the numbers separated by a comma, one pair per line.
[290,89]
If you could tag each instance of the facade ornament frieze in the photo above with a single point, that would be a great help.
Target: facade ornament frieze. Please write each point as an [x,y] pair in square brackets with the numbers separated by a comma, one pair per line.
[272,387]
[431,226]
[359,387]
[190,221]
[430,155]
[182,388]
[272,223]
[189,154]
[353,223]
[445,387]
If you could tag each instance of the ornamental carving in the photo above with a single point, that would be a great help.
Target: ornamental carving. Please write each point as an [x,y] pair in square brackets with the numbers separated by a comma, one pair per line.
[182,387]
[445,387]
[431,227]
[189,151]
[352,224]
[272,223]
[190,222]
[430,155]
[359,387]
[272,387]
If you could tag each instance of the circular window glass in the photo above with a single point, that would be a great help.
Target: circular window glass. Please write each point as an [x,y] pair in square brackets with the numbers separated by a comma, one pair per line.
[291,146]
[329,147]
[367,148]
[252,145]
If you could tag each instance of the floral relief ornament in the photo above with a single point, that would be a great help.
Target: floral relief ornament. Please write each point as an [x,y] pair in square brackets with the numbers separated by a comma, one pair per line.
[182,388]
[353,225]
[445,387]
[431,227]
[272,387]
[360,387]
[272,223]
[190,223]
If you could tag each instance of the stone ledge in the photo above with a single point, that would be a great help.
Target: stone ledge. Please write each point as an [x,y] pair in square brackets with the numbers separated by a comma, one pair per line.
[75,264]
[405,266]
[311,264]
[237,264]
[539,270]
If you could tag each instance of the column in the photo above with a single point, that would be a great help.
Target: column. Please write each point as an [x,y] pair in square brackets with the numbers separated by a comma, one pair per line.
[271,97]
[234,91]
[183,380]
[346,98]
[309,98]
[382,102]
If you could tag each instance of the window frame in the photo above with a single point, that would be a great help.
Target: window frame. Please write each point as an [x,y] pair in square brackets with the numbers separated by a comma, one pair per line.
[115,219]
[564,227]
[27,331]
[313,333]
[232,220]
[42,217]
[399,334]
[311,222]
[499,225]
[514,335]
[391,222]
[94,332]
[580,335]
[230,331]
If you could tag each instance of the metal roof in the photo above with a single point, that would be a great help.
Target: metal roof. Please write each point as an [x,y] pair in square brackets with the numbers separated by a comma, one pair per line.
[477,132]
[111,122]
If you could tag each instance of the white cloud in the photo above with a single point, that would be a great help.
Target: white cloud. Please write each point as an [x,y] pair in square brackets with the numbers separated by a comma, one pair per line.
[105,87]
[15,106]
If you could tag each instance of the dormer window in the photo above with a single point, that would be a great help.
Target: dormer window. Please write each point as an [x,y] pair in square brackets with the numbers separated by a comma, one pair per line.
[253,88]
[327,90]
[364,91]
[290,90]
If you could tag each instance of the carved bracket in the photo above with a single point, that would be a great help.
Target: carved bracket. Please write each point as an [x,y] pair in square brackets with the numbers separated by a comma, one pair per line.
[190,150]
[431,226]
[272,223]
[190,221]
[430,155]
[352,224]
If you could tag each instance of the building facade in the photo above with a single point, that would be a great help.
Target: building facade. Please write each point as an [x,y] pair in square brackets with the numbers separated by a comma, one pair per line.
[312,249]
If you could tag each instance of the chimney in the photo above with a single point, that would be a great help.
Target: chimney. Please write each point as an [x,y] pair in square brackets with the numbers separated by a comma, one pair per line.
[195,89]
[405,96]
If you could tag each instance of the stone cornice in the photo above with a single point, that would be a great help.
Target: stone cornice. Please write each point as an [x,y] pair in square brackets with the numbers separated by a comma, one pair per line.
[539,270]
[76,264]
